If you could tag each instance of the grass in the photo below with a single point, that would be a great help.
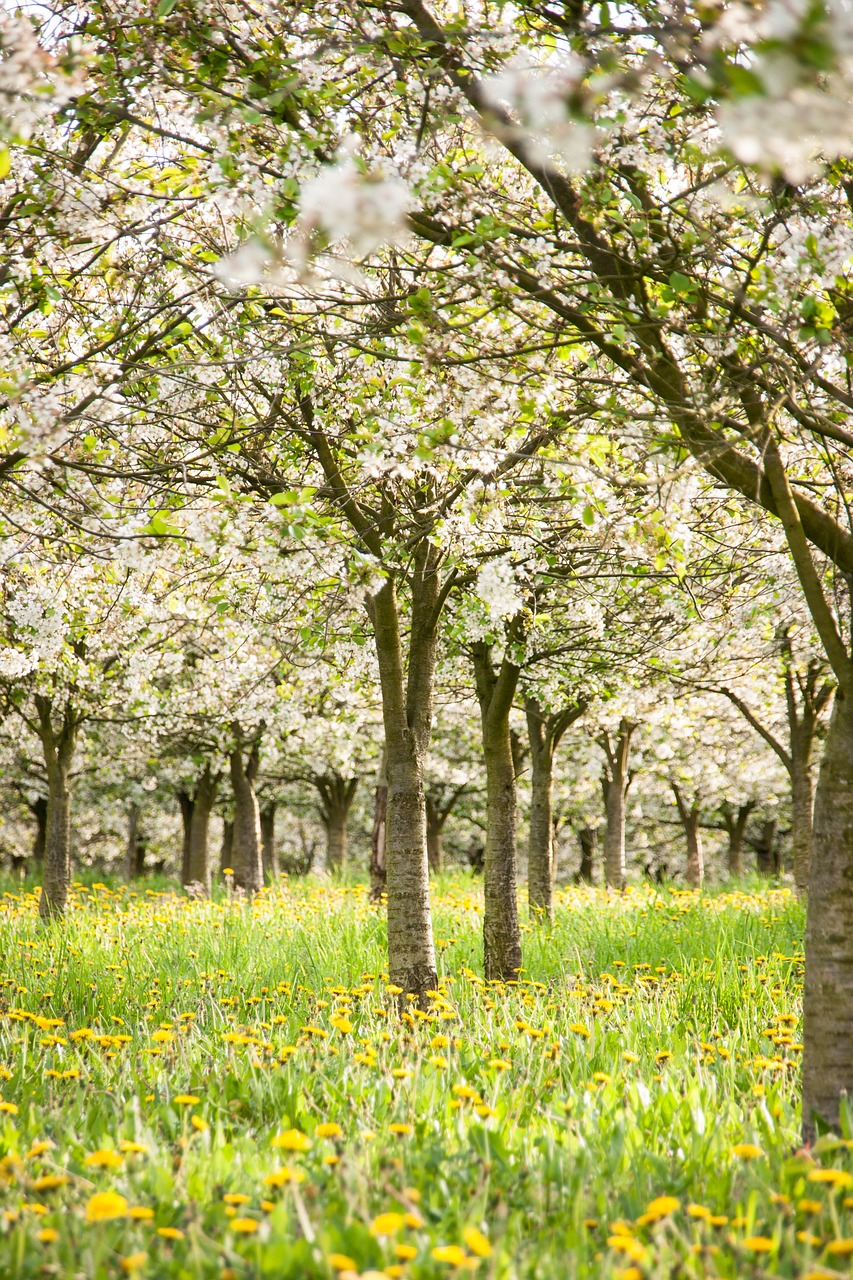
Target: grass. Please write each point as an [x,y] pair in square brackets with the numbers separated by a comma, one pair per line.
[194,1089]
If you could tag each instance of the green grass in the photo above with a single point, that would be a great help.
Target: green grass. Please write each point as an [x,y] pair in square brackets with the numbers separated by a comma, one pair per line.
[648,1037]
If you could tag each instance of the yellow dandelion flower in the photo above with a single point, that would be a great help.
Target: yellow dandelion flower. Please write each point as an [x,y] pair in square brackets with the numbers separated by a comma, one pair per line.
[244,1226]
[133,1262]
[660,1207]
[449,1253]
[236,1197]
[170,1233]
[833,1177]
[747,1151]
[840,1248]
[106,1205]
[477,1242]
[105,1159]
[328,1130]
[141,1213]
[402,1130]
[133,1148]
[47,1235]
[9,1108]
[185,1099]
[632,1248]
[759,1244]
[341,1262]
[199,1123]
[405,1252]
[49,1182]
[38,1149]
[387,1224]
[281,1177]
[162,1037]
[292,1140]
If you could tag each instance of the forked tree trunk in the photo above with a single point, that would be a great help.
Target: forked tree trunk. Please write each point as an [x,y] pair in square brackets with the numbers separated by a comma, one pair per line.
[380,822]
[690,815]
[828,998]
[246,840]
[588,840]
[407,700]
[615,781]
[58,746]
[501,932]
[336,797]
[269,848]
[198,854]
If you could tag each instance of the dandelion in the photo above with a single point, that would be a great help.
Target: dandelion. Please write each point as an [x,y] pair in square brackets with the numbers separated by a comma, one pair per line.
[292,1140]
[170,1233]
[50,1182]
[281,1177]
[133,1148]
[106,1205]
[341,1262]
[835,1178]
[141,1213]
[759,1244]
[236,1198]
[199,1123]
[104,1160]
[660,1207]
[185,1100]
[133,1262]
[244,1226]
[747,1151]
[401,1130]
[449,1253]
[387,1224]
[328,1130]
[477,1242]
[48,1235]
[841,1248]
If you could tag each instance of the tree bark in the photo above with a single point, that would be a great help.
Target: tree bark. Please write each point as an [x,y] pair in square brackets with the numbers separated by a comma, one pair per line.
[435,835]
[766,855]
[336,796]
[802,818]
[735,824]
[58,746]
[501,932]
[380,821]
[690,816]
[185,802]
[39,811]
[588,840]
[544,732]
[135,855]
[407,701]
[828,997]
[197,870]
[269,848]
[616,780]
[246,845]
[227,848]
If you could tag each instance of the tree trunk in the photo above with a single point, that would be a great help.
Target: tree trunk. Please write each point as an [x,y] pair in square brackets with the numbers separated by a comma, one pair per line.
[246,840]
[435,835]
[227,848]
[198,857]
[765,850]
[540,839]
[39,811]
[802,817]
[185,801]
[615,782]
[377,843]
[135,856]
[501,933]
[269,848]
[736,829]
[407,702]
[336,796]
[828,997]
[58,756]
[588,840]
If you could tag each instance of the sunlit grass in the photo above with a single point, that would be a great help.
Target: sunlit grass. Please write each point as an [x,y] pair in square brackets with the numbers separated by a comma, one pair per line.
[215,1089]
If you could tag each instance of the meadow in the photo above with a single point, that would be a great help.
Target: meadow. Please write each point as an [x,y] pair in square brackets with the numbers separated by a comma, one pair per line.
[210,1089]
